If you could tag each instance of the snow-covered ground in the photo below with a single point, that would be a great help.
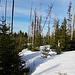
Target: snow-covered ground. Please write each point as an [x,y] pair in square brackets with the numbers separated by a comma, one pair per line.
[63,63]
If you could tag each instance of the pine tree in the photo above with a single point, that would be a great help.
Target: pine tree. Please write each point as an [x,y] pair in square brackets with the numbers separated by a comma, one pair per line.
[57,35]
[38,41]
[64,38]
[63,34]
[52,40]
[46,40]
[9,59]
[72,43]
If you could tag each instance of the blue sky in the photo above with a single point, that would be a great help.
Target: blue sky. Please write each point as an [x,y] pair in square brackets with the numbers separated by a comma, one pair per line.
[22,11]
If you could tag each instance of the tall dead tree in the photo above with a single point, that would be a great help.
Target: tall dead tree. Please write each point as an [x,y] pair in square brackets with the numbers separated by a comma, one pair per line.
[69,18]
[49,29]
[34,27]
[55,30]
[12,16]
[5,11]
[40,18]
[30,25]
[49,11]
[55,24]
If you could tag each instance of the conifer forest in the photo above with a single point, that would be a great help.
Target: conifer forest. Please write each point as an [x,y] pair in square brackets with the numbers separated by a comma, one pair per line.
[59,35]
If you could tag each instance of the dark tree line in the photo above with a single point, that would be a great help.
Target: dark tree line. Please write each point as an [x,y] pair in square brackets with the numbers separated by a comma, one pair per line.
[10,46]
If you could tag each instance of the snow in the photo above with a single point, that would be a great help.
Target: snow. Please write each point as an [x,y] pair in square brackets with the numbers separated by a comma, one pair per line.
[45,46]
[63,63]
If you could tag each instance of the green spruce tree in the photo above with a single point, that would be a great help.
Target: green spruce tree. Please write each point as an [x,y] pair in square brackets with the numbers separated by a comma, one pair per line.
[64,37]
[9,59]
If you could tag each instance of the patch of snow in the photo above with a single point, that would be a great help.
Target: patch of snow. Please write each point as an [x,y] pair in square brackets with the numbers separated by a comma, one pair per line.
[63,63]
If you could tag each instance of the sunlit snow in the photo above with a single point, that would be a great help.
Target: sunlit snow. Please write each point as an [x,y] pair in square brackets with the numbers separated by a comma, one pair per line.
[52,65]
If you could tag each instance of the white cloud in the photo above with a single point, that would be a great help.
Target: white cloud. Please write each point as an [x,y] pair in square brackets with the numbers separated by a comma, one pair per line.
[23,11]
[18,10]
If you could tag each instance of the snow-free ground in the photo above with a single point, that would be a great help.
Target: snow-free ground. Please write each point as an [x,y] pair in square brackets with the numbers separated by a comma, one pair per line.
[63,63]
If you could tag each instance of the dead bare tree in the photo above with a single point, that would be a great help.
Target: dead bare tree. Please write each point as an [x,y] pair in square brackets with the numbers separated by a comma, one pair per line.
[5,11]
[50,8]
[12,16]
